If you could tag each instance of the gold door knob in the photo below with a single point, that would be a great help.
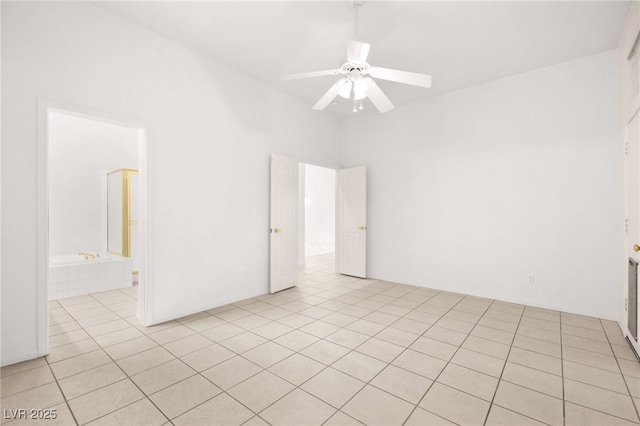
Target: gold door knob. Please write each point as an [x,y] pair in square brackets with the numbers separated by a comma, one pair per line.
[276,230]
[636,248]
[362,228]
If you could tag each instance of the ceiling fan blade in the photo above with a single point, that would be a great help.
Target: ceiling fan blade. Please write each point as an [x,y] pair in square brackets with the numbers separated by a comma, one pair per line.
[310,74]
[330,95]
[357,51]
[378,98]
[406,77]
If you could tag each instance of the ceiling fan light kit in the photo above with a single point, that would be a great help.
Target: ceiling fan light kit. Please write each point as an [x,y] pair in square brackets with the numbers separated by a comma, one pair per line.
[355,82]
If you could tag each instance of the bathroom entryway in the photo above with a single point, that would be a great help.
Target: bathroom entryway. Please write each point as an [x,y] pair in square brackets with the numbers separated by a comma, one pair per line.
[93,170]
[93,214]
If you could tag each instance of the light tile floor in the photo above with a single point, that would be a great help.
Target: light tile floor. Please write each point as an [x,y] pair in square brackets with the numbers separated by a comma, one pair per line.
[335,350]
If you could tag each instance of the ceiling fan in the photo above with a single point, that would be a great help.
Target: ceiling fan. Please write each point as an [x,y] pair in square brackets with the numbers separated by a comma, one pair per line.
[356,79]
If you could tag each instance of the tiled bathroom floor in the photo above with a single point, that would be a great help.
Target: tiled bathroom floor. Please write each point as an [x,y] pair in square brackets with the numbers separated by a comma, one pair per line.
[335,350]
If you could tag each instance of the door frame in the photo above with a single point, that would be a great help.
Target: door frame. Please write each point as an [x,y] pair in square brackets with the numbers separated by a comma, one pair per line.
[44,107]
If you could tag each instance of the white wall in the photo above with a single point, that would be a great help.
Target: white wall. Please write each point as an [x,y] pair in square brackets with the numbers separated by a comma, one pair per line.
[80,151]
[477,190]
[212,131]
[320,210]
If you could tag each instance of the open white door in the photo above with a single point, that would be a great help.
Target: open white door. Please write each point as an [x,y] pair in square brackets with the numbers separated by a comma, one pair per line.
[284,223]
[352,221]
[632,223]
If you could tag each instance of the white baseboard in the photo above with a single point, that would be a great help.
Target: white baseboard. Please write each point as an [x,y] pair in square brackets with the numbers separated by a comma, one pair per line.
[170,316]
[19,357]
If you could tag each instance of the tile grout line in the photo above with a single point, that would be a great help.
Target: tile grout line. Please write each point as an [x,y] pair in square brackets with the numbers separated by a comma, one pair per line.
[295,387]
[197,373]
[56,378]
[576,362]
[564,403]
[504,366]
[447,362]
[73,416]
[117,365]
[456,351]
[351,350]
[390,362]
[623,377]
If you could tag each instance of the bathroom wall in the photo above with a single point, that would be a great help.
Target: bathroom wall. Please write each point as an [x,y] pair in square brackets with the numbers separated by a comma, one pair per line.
[320,213]
[80,150]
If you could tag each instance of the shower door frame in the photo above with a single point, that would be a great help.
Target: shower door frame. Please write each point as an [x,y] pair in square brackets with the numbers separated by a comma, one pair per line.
[125,186]
[145,280]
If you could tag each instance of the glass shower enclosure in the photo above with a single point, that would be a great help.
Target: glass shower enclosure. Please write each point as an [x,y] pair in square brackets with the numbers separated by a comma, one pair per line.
[122,215]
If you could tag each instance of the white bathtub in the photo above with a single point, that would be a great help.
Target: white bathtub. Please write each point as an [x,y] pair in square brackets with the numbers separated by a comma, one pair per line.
[76,274]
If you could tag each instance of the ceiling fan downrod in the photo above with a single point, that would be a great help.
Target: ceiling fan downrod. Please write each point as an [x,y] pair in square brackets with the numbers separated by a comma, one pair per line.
[355,4]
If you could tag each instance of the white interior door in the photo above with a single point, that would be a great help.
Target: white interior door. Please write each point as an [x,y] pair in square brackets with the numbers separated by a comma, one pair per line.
[283,224]
[352,221]
[632,223]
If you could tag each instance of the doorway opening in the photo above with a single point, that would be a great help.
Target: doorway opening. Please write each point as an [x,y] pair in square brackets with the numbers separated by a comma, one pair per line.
[92,212]
[318,217]
[287,228]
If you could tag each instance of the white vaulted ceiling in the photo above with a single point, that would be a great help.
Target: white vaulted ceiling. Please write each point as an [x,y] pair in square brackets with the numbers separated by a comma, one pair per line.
[459,43]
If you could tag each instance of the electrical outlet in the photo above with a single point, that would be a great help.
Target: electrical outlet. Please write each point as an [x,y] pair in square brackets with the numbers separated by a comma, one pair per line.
[626,304]
[531,279]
